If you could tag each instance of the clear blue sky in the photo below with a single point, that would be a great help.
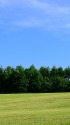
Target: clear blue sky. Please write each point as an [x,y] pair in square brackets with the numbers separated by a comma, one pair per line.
[35,32]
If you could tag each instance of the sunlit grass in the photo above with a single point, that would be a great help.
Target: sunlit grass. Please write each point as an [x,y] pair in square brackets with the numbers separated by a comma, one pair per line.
[35,109]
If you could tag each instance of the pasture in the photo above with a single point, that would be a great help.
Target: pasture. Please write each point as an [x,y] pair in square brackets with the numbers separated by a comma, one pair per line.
[35,109]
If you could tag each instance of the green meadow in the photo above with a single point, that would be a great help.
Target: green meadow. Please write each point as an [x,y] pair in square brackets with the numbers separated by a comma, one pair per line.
[35,109]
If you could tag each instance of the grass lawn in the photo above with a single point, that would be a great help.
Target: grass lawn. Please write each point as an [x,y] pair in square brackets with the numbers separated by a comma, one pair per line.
[35,109]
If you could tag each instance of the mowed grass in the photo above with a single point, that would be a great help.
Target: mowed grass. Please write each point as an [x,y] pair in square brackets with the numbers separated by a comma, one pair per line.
[35,109]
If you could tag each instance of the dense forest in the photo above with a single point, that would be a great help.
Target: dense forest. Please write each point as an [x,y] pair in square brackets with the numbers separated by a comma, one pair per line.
[32,80]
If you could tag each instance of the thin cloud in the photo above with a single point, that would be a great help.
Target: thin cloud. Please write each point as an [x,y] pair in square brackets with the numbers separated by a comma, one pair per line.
[29,23]
[67,25]
[46,7]
[36,13]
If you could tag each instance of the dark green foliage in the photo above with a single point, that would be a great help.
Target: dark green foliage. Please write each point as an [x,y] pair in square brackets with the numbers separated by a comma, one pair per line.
[67,73]
[19,80]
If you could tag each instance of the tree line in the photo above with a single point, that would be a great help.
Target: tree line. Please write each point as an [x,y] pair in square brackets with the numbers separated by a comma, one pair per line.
[32,80]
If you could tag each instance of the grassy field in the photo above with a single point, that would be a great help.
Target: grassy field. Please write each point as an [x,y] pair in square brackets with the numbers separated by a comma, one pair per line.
[35,109]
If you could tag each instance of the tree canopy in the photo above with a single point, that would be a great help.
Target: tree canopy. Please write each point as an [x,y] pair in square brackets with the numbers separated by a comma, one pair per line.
[32,80]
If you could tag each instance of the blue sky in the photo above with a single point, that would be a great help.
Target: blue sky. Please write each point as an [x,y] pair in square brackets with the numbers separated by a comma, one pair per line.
[35,32]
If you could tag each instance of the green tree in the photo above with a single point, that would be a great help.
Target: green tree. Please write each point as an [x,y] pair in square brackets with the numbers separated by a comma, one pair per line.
[67,73]
[45,71]
[45,85]
[53,72]
[60,72]
[34,80]
[19,80]
[7,85]
[1,79]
